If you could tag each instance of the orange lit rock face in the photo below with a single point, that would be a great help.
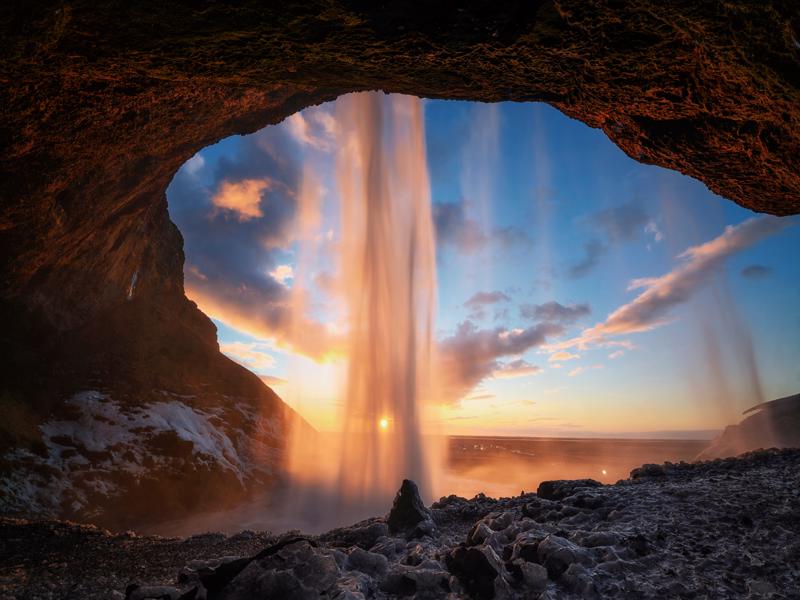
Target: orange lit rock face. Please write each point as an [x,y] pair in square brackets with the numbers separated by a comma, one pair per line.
[100,105]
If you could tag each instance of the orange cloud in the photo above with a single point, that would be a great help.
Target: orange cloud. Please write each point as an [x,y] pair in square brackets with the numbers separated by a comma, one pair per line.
[241,197]
[562,355]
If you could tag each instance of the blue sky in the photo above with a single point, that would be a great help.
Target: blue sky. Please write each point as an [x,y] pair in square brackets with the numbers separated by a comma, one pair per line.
[531,209]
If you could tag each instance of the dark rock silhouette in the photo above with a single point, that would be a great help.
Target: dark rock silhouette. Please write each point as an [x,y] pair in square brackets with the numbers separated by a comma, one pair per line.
[773,424]
[409,515]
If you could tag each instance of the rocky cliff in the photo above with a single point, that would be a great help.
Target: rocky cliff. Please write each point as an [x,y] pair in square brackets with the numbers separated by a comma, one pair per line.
[773,424]
[101,102]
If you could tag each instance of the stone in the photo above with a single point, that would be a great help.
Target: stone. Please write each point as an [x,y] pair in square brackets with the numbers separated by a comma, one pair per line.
[561,488]
[374,565]
[534,576]
[476,568]
[296,570]
[557,554]
[363,535]
[577,579]
[648,470]
[151,592]
[409,515]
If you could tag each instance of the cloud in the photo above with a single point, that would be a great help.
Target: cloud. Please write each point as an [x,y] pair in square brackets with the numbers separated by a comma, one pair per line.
[315,127]
[241,197]
[593,250]
[478,301]
[616,225]
[756,271]
[455,228]
[233,267]
[248,355]
[472,354]
[195,164]
[282,273]
[578,370]
[515,368]
[554,311]
[562,355]
[651,308]
[620,223]
[653,229]
[616,354]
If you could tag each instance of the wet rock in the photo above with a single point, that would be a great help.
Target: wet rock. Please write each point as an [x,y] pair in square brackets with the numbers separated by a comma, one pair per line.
[577,579]
[374,565]
[648,470]
[478,534]
[151,592]
[537,507]
[600,538]
[409,516]
[639,544]
[477,569]
[534,576]
[364,535]
[560,489]
[388,546]
[557,554]
[353,586]
[297,570]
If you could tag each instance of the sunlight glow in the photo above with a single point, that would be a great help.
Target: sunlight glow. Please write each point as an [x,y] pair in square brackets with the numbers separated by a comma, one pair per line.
[383,423]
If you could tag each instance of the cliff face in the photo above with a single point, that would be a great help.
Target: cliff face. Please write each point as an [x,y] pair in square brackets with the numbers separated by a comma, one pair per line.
[101,103]
[773,424]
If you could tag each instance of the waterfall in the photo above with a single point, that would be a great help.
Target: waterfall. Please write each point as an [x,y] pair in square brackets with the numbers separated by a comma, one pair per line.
[388,277]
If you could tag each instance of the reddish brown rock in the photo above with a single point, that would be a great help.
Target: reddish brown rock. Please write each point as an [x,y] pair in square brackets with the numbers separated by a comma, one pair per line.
[101,103]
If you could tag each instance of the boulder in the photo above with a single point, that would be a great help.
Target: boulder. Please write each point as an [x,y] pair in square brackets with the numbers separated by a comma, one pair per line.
[561,488]
[409,515]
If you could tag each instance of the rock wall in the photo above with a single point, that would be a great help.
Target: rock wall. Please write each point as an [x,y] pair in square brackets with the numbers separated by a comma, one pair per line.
[773,424]
[101,103]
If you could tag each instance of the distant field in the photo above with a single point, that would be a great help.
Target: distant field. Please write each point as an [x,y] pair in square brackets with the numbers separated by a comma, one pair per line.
[507,466]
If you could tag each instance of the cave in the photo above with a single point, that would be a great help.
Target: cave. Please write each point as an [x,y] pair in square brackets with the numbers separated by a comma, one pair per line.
[103,103]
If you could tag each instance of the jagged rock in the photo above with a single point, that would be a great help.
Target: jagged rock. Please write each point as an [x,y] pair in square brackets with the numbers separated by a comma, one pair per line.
[151,592]
[577,579]
[409,515]
[534,576]
[560,488]
[364,535]
[374,565]
[648,471]
[296,570]
[556,554]
[773,424]
[476,569]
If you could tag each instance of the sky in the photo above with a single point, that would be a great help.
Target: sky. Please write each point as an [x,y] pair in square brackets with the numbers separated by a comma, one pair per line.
[580,293]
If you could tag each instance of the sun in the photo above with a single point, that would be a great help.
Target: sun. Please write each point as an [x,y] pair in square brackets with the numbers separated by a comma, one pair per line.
[383,423]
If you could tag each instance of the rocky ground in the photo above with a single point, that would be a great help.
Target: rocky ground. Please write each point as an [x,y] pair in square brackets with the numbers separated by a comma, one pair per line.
[718,529]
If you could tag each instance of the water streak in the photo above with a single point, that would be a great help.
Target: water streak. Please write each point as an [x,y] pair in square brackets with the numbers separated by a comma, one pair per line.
[389,284]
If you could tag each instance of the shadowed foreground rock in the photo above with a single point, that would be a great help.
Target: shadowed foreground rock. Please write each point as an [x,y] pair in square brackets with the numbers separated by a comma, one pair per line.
[719,529]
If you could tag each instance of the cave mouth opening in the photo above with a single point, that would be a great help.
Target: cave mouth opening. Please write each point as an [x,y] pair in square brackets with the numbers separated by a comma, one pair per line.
[581,294]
